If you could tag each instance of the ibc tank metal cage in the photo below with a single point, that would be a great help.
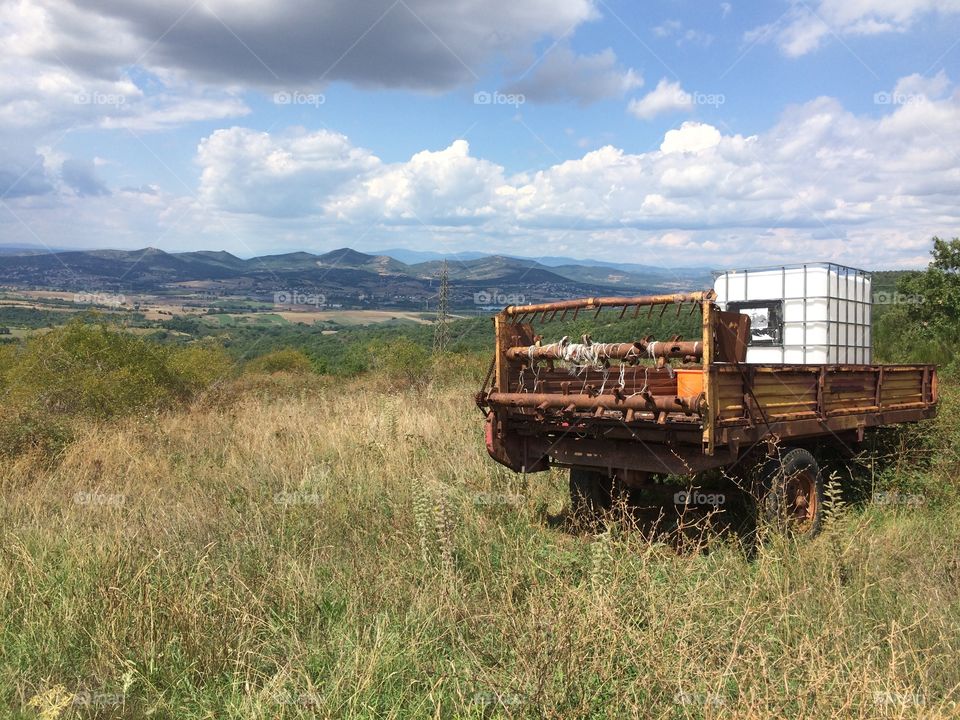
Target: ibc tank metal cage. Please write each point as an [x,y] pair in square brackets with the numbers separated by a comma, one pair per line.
[844,309]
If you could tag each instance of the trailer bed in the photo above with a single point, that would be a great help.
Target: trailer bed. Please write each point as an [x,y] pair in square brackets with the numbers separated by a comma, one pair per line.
[674,406]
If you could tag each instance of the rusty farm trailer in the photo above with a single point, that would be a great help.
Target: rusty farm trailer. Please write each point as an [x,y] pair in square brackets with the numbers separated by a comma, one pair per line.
[633,414]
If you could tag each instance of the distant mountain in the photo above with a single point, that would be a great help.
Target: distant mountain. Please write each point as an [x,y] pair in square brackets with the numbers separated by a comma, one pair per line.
[345,257]
[286,261]
[218,257]
[486,267]
[343,277]
[494,266]
[416,257]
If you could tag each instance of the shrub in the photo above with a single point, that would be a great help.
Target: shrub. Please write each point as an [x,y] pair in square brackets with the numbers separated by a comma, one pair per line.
[200,366]
[90,370]
[458,369]
[285,360]
[87,371]
[27,431]
[400,361]
[7,357]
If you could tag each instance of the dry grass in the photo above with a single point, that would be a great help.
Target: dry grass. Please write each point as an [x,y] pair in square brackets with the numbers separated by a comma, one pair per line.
[302,550]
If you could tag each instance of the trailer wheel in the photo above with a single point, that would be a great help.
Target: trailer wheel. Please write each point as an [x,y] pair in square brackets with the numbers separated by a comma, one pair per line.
[793,502]
[592,493]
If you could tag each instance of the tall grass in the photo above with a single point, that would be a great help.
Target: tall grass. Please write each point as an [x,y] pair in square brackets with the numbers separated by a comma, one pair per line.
[297,549]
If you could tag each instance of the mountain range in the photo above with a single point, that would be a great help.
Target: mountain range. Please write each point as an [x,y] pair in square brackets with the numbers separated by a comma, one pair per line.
[345,277]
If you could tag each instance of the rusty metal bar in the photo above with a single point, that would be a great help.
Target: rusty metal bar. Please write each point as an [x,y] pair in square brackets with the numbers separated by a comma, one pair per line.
[602,302]
[709,380]
[612,351]
[500,368]
[689,405]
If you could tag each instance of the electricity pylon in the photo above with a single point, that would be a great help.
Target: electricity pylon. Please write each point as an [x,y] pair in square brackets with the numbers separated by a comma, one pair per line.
[441,330]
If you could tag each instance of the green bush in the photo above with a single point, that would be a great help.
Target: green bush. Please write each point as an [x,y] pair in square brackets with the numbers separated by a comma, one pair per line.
[28,431]
[7,357]
[400,361]
[459,369]
[84,371]
[285,360]
[200,366]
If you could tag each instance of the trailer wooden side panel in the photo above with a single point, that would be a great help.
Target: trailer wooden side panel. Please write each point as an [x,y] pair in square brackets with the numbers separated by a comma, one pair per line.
[763,394]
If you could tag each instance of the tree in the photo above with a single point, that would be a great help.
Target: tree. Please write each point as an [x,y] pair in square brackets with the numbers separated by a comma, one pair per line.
[924,323]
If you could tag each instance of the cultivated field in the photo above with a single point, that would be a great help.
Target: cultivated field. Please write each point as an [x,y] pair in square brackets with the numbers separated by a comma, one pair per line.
[159,308]
[291,548]
[352,317]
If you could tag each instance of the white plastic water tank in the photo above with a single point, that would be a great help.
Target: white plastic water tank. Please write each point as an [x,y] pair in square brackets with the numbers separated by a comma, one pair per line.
[814,313]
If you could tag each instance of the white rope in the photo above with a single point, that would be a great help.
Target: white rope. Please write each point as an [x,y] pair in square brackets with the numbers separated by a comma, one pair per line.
[534,366]
[582,357]
[644,388]
[581,354]
[651,353]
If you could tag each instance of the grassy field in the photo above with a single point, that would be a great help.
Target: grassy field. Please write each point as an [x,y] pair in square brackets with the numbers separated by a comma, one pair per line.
[287,547]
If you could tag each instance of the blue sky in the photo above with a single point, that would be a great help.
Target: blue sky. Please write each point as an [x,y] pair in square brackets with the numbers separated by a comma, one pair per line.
[671,132]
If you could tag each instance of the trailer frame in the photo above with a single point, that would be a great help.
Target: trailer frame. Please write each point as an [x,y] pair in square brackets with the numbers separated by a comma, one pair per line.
[635,431]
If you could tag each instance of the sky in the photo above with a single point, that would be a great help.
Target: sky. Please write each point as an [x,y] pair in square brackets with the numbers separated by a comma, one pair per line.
[662,132]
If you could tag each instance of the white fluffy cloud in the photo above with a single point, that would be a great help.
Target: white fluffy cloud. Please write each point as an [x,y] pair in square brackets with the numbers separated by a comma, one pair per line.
[919,87]
[289,175]
[322,175]
[691,137]
[804,26]
[822,183]
[142,66]
[665,98]
[41,92]
[447,187]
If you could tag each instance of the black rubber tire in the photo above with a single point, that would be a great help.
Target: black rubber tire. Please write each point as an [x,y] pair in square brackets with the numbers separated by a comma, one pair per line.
[595,496]
[793,494]
[591,493]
